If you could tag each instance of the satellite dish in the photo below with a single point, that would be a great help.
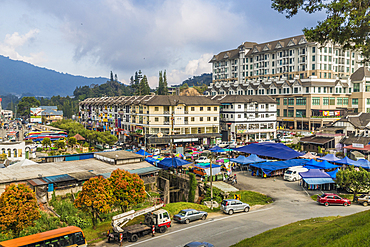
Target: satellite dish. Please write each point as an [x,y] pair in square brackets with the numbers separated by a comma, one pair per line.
[160,134]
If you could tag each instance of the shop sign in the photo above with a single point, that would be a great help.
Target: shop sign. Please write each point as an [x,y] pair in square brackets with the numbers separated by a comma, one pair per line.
[357,145]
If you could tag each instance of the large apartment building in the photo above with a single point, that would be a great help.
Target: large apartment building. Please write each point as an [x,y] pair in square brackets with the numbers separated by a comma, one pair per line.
[311,84]
[285,58]
[157,117]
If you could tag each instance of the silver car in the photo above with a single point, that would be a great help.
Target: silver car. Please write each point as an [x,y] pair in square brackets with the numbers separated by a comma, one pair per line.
[230,206]
[187,215]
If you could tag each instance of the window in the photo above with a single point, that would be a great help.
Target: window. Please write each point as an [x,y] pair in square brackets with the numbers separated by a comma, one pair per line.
[285,101]
[239,116]
[209,119]
[356,87]
[201,119]
[239,106]
[367,101]
[278,101]
[307,89]
[295,90]
[192,108]
[332,101]
[319,89]
[215,108]
[313,49]
[201,108]
[354,101]
[325,101]
[285,113]
[345,101]
[208,108]
[313,58]
[215,119]
[291,101]
[278,112]
[156,108]
[156,119]
[301,101]
[315,101]
[339,101]
[192,119]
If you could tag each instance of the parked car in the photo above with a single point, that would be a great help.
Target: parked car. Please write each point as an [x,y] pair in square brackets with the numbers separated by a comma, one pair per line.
[364,200]
[156,151]
[202,159]
[332,199]
[231,144]
[230,206]
[187,215]
[199,244]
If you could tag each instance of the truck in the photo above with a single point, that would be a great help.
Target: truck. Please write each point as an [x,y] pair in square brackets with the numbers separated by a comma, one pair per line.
[154,217]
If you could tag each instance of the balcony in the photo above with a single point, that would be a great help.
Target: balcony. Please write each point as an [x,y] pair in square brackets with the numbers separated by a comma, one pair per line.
[186,122]
[166,112]
[166,123]
[186,112]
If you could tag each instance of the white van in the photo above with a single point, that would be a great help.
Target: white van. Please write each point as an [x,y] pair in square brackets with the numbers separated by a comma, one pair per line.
[292,173]
[286,139]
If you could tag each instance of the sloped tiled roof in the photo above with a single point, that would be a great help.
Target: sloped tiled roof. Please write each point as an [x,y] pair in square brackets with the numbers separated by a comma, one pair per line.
[359,74]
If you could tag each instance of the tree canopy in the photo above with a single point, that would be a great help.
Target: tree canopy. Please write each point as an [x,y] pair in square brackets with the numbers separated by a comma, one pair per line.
[354,180]
[347,22]
[23,108]
[18,208]
[95,198]
[128,189]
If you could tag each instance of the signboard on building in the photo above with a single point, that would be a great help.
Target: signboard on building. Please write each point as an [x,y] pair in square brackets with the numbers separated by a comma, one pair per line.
[357,145]
[36,115]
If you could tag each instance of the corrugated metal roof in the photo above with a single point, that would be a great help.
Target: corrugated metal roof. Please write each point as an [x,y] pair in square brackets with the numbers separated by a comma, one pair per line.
[82,176]
[145,170]
[105,175]
[58,178]
[37,182]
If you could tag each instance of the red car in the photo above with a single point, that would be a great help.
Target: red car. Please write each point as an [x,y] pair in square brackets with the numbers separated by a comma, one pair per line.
[332,199]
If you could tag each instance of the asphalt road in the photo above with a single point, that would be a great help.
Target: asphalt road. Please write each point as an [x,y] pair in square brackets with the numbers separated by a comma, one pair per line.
[291,204]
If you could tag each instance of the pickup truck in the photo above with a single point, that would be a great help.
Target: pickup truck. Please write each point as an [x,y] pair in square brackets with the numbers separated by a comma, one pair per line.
[364,200]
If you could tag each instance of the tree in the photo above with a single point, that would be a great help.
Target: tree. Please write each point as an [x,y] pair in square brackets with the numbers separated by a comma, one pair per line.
[95,198]
[347,22]
[128,189]
[23,107]
[160,90]
[60,144]
[353,180]
[165,86]
[111,76]
[46,142]
[72,141]
[192,187]
[18,208]
[143,88]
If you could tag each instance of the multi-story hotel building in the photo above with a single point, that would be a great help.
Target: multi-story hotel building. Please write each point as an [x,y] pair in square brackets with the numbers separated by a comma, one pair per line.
[187,118]
[311,83]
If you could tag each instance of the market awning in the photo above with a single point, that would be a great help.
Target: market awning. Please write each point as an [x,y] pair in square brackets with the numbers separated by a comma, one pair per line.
[319,180]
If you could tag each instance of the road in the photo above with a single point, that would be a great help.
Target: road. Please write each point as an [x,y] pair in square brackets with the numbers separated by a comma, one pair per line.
[291,204]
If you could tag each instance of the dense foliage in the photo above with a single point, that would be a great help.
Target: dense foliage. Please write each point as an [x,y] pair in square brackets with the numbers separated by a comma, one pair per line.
[128,189]
[354,179]
[95,198]
[18,209]
[23,108]
[162,84]
[347,21]
[205,79]
[73,128]
[192,187]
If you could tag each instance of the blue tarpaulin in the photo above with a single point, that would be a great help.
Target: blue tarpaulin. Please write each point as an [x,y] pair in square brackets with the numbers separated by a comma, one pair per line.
[333,174]
[363,163]
[346,161]
[172,162]
[216,149]
[152,160]
[241,159]
[269,149]
[142,152]
[329,157]
[312,164]
[268,167]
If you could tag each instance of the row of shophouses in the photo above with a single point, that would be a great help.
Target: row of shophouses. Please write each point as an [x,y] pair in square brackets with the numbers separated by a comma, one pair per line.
[156,119]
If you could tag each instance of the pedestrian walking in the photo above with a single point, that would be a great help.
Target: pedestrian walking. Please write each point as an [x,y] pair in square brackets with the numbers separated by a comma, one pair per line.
[236,180]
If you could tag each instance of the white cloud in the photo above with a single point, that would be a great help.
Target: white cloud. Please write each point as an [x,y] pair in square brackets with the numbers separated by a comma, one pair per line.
[15,41]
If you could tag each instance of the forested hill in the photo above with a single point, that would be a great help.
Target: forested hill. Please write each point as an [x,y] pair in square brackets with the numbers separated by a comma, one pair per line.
[199,80]
[17,77]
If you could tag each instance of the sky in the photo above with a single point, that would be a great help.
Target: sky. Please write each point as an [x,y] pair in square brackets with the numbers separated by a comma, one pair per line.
[93,37]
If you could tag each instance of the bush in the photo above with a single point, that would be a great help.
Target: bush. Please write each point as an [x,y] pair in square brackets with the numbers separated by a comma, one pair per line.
[38,149]
[192,187]
[217,195]
[47,222]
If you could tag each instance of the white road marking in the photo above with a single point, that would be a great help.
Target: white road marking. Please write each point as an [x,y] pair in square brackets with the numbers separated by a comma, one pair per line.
[208,222]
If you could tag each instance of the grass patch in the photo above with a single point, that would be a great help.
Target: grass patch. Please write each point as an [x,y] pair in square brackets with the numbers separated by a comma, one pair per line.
[252,198]
[347,196]
[351,230]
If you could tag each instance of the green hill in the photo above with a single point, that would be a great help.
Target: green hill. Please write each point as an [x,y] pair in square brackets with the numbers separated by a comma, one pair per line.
[346,231]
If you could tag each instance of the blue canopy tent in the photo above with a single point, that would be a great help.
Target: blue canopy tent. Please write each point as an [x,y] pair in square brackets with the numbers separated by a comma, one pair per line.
[268,149]
[152,161]
[216,149]
[346,161]
[172,162]
[363,163]
[269,167]
[143,152]
[312,164]
[333,174]
[316,179]
[329,157]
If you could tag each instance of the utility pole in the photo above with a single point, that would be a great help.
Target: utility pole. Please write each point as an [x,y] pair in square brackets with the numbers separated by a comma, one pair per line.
[210,173]
[171,133]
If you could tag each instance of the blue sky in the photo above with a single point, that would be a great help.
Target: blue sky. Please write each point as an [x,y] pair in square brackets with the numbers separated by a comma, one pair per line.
[92,38]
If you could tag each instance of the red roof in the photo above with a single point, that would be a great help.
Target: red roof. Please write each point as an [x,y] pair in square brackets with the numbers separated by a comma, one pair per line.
[79,137]
[366,148]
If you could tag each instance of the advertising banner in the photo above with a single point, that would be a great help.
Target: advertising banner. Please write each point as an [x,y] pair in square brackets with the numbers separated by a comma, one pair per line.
[36,115]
